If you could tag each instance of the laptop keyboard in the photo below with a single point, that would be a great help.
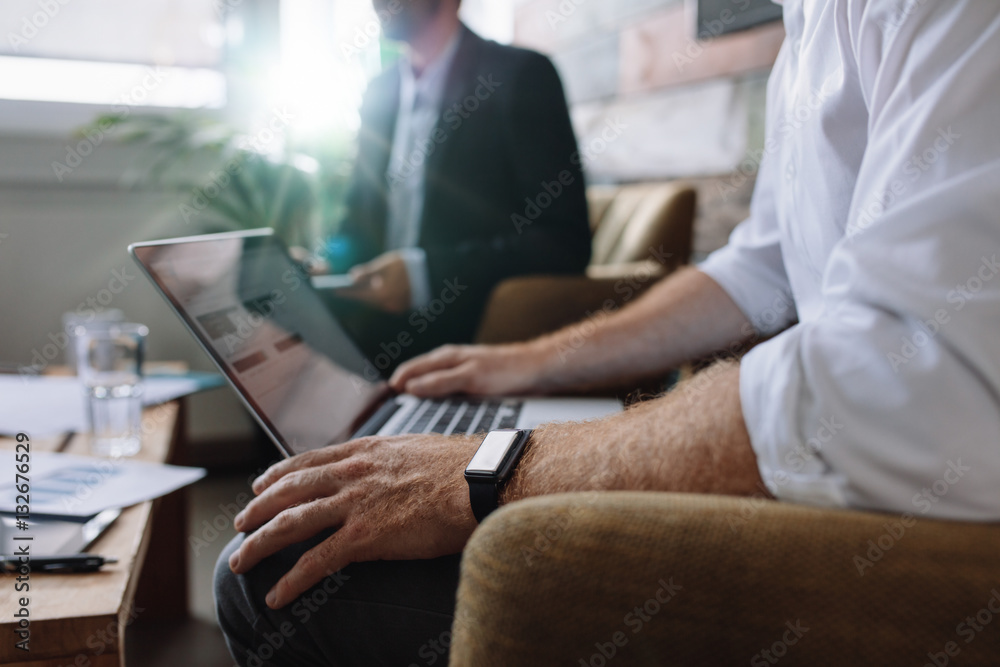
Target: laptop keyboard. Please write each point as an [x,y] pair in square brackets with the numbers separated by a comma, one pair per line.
[459,416]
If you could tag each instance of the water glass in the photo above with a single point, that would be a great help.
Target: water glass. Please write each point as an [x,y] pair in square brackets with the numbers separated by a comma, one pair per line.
[101,319]
[109,364]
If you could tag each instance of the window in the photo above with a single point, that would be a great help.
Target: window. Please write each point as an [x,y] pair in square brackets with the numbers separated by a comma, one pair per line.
[61,58]
[329,50]
[165,53]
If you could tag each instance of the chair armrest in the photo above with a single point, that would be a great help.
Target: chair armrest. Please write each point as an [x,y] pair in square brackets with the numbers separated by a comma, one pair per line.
[653,579]
[526,307]
[643,271]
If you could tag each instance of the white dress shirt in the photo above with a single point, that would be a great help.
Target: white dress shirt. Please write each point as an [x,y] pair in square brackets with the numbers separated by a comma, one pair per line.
[877,209]
[420,101]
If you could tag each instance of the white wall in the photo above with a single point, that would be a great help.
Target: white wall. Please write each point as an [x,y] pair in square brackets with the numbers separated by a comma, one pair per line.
[63,243]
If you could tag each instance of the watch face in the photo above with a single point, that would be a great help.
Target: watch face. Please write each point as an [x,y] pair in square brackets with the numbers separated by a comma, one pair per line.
[491,453]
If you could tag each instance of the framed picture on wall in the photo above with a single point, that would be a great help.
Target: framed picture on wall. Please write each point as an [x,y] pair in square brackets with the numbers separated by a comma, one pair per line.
[722,17]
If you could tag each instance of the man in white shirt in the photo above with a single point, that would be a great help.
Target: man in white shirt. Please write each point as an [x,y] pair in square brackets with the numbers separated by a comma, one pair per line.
[866,274]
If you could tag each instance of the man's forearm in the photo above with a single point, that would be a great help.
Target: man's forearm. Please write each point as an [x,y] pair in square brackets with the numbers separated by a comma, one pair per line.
[693,439]
[684,317]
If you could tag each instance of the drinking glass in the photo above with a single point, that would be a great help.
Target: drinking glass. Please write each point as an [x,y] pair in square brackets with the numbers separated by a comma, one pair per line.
[109,364]
[94,320]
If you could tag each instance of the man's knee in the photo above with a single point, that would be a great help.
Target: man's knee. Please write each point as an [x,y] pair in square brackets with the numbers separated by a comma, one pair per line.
[232,611]
[369,613]
[222,572]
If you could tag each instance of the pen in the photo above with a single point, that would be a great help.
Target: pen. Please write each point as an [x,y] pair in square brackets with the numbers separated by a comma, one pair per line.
[72,563]
[66,438]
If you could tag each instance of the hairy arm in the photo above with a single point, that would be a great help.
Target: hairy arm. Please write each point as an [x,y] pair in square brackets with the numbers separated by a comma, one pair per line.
[684,317]
[692,439]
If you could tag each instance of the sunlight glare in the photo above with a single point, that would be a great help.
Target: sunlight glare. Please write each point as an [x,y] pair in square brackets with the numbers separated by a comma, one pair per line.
[325,63]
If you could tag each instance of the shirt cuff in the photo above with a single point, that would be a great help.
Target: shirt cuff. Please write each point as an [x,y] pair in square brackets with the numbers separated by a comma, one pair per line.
[420,281]
[758,290]
[790,462]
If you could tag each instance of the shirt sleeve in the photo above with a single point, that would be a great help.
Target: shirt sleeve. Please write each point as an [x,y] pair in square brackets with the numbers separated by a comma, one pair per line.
[416,270]
[891,398]
[750,267]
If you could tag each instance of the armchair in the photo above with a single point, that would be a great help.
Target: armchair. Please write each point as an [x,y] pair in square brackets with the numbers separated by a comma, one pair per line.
[678,579]
[640,234]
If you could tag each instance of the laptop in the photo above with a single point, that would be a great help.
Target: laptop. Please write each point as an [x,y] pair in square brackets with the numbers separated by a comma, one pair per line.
[256,313]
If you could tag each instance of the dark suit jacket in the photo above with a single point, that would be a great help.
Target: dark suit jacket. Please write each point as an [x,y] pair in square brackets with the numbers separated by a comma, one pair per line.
[494,205]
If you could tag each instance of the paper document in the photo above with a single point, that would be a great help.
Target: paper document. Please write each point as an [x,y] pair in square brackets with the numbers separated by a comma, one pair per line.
[332,282]
[68,485]
[47,406]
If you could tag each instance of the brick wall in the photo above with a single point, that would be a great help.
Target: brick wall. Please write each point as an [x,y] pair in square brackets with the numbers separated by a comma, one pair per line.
[650,101]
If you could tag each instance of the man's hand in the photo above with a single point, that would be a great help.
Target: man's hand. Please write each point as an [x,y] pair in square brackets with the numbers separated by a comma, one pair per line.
[382,282]
[314,266]
[396,498]
[473,369]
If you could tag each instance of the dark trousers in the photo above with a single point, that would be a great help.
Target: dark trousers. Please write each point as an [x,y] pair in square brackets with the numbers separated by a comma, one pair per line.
[393,613]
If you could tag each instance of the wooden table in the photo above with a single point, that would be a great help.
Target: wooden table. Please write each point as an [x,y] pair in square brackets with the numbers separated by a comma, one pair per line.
[79,620]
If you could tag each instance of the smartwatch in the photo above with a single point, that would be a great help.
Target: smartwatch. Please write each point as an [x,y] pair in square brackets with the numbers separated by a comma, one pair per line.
[492,466]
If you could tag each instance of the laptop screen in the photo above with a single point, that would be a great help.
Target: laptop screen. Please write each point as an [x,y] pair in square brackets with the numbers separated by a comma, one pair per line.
[254,311]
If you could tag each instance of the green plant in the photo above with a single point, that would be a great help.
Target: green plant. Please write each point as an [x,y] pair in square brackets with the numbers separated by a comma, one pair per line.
[237,186]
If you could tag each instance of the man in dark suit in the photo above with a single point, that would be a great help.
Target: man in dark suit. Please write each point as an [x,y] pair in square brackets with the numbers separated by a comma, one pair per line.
[467,173]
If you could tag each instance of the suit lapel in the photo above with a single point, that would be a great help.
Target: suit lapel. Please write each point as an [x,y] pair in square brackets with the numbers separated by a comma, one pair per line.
[459,84]
[385,125]
[463,70]
[382,128]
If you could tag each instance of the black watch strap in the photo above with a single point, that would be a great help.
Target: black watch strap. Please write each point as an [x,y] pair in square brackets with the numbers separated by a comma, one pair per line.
[484,496]
[484,491]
